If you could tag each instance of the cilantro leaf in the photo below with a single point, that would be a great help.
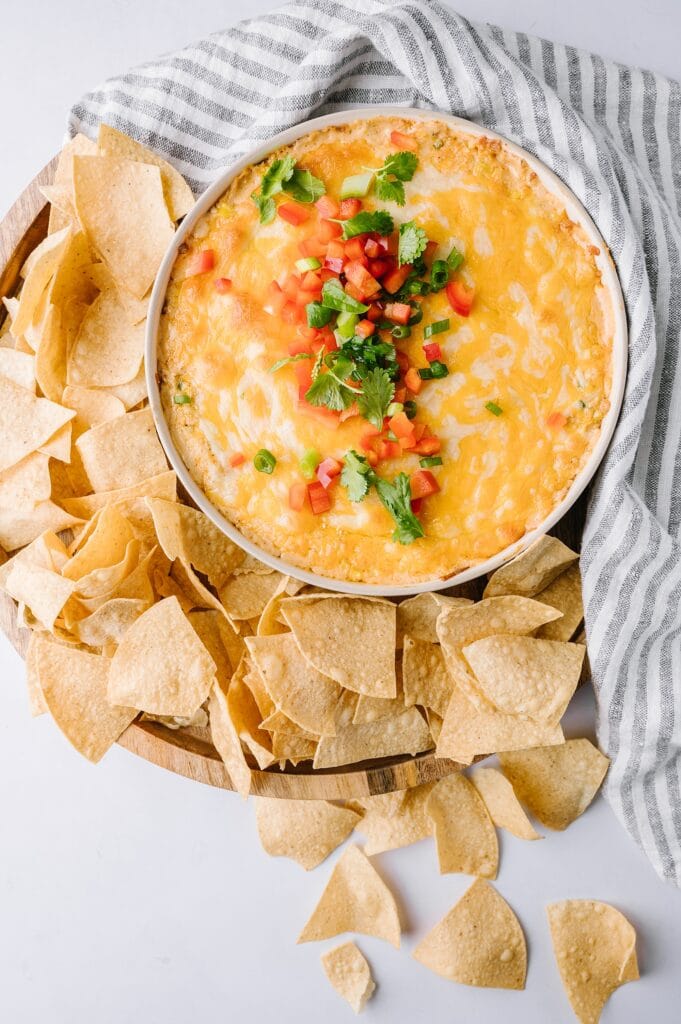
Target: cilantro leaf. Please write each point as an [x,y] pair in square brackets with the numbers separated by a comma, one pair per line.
[396,498]
[303,186]
[334,297]
[276,174]
[357,476]
[331,392]
[364,222]
[413,242]
[390,191]
[377,393]
[266,208]
[402,165]
[288,359]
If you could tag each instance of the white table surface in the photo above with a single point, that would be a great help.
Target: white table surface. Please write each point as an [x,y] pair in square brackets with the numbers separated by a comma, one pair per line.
[128,894]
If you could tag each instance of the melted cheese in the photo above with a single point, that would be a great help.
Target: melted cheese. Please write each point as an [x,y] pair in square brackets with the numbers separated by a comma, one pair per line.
[537,342]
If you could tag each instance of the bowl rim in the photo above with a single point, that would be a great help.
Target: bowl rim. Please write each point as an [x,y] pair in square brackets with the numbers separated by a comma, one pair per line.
[619,356]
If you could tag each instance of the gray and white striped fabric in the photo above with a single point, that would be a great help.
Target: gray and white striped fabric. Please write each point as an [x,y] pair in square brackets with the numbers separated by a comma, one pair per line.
[613,134]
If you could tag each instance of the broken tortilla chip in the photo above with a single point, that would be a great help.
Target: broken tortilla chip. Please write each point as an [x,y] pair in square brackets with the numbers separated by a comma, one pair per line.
[356,899]
[502,804]
[389,828]
[306,831]
[557,784]
[464,834]
[479,942]
[350,974]
[595,949]
[532,570]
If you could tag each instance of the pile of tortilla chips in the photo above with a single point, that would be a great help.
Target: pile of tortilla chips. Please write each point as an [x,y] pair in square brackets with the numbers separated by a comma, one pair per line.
[138,605]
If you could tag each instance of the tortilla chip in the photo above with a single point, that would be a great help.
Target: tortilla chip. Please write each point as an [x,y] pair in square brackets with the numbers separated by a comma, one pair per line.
[189,535]
[469,730]
[122,452]
[349,639]
[109,622]
[132,393]
[38,271]
[245,714]
[350,974]
[245,596]
[532,570]
[102,545]
[356,899]
[44,592]
[226,741]
[565,594]
[417,616]
[296,688]
[26,484]
[26,422]
[161,665]
[595,949]
[479,942]
[388,828]
[556,783]
[425,676]
[120,204]
[18,367]
[108,349]
[59,445]
[523,676]
[36,701]
[19,527]
[403,733]
[211,627]
[464,834]
[307,831]
[178,195]
[128,499]
[295,749]
[74,685]
[370,709]
[502,804]
[79,145]
[91,407]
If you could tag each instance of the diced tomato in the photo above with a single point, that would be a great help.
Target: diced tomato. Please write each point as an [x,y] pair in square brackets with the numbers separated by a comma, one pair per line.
[365,328]
[347,414]
[335,249]
[402,360]
[420,429]
[556,420]
[237,459]
[334,264]
[328,230]
[312,246]
[408,443]
[358,275]
[326,417]
[296,496]
[401,425]
[378,268]
[428,446]
[388,450]
[412,380]
[293,213]
[199,262]
[400,395]
[354,292]
[391,243]
[373,248]
[303,372]
[312,282]
[303,297]
[290,314]
[393,281]
[367,438]
[460,296]
[372,457]
[403,141]
[423,484]
[319,498]
[291,286]
[432,351]
[398,312]
[326,336]
[299,345]
[354,249]
[416,504]
[349,208]
[375,312]
[327,470]
[223,285]
[275,299]
[429,253]
[327,207]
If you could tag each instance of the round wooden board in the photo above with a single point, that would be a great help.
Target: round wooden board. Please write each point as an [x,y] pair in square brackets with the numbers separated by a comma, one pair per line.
[189,752]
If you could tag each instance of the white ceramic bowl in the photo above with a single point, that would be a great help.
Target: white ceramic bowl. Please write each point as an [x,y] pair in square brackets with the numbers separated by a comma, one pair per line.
[575,211]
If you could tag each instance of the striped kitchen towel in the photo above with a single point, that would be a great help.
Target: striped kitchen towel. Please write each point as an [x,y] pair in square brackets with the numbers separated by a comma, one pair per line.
[613,134]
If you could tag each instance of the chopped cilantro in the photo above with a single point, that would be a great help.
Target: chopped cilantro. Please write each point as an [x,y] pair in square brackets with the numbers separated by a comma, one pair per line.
[357,476]
[266,207]
[399,167]
[334,297]
[304,187]
[396,498]
[377,393]
[364,222]
[413,242]
[289,359]
[273,181]
[330,389]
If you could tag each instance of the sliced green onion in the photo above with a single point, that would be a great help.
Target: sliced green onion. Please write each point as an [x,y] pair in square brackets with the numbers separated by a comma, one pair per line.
[426,373]
[439,275]
[454,260]
[356,186]
[495,409]
[416,287]
[308,263]
[439,369]
[317,315]
[345,325]
[410,409]
[264,461]
[394,408]
[437,328]
[416,317]
[181,399]
[430,460]
[309,462]
[401,332]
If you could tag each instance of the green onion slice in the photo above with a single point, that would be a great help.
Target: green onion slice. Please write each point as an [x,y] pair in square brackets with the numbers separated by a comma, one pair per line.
[264,461]
[437,328]
[495,409]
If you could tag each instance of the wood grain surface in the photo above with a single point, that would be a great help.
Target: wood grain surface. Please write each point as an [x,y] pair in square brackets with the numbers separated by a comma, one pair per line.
[189,752]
